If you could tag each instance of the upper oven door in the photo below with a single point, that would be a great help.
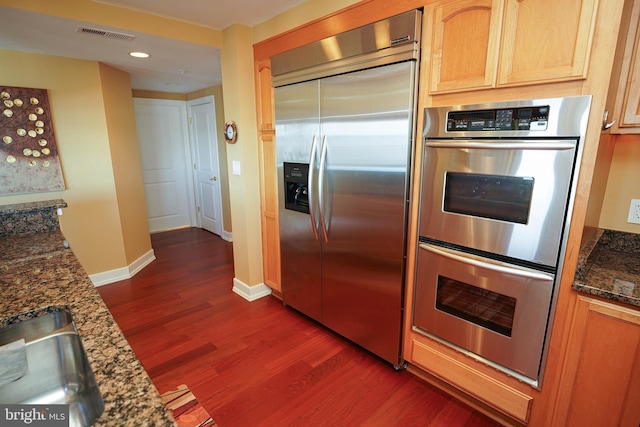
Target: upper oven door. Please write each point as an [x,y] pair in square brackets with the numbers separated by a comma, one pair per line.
[506,197]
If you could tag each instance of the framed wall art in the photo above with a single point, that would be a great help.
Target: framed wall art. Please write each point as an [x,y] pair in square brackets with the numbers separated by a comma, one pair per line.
[29,160]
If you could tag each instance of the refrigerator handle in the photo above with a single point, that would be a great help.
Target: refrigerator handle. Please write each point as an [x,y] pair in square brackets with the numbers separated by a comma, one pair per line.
[323,162]
[311,187]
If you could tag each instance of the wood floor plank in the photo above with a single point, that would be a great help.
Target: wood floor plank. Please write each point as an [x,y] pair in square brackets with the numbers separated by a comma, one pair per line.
[259,363]
[411,405]
[182,359]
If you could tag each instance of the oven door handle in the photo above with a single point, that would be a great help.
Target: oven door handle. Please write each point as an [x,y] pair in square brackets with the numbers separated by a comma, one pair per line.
[503,144]
[501,268]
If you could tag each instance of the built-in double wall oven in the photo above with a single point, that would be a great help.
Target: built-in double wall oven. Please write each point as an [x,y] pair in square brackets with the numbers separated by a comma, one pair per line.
[497,191]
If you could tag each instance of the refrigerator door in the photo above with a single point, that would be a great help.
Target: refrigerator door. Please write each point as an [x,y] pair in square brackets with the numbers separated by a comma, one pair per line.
[366,125]
[297,124]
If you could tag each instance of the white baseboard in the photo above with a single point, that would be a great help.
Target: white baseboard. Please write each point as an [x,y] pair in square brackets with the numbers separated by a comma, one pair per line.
[227,236]
[104,278]
[250,293]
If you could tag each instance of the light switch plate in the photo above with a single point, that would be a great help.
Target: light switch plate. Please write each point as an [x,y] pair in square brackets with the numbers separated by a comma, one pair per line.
[235,167]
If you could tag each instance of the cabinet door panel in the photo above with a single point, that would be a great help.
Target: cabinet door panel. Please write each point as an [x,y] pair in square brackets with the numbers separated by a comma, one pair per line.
[600,376]
[631,104]
[464,44]
[268,177]
[546,40]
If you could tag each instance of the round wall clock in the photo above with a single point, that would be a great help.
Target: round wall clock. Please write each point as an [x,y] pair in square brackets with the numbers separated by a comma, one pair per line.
[230,132]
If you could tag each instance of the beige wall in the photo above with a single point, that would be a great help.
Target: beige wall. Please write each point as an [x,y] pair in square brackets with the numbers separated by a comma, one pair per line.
[296,16]
[239,106]
[125,161]
[92,223]
[623,184]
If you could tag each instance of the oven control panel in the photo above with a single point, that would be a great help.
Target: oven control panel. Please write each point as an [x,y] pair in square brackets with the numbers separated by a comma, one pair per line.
[524,118]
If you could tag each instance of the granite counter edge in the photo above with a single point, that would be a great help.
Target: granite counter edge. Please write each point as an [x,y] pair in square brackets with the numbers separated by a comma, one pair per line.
[582,268]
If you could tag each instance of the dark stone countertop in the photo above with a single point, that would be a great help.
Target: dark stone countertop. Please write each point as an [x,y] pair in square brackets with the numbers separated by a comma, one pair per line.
[37,274]
[609,267]
[32,217]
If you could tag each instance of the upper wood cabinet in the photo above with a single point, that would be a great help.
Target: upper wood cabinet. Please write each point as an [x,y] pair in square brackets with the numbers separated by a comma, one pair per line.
[545,40]
[627,103]
[493,43]
[465,37]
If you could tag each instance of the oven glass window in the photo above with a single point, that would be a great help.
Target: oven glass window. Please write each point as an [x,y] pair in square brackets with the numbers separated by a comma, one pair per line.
[505,198]
[484,308]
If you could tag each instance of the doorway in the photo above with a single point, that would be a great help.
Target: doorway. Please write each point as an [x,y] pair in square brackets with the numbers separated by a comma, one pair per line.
[180,165]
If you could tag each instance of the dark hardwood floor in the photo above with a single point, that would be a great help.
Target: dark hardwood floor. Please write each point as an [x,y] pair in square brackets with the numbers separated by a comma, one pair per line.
[259,363]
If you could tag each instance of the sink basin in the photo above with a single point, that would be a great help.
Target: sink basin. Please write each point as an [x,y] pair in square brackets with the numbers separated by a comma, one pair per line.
[59,372]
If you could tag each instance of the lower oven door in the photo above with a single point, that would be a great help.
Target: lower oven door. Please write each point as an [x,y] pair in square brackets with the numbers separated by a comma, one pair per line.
[488,308]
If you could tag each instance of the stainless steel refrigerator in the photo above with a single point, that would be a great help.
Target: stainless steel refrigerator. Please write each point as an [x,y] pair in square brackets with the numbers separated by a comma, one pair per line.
[344,142]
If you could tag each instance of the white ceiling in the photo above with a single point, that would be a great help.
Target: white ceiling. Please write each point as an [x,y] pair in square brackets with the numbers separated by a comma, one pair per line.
[174,66]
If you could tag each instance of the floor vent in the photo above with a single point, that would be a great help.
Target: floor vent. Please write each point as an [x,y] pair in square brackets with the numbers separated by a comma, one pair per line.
[105,33]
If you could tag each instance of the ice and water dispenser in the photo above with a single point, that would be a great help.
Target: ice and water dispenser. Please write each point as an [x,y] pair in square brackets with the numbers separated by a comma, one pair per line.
[296,194]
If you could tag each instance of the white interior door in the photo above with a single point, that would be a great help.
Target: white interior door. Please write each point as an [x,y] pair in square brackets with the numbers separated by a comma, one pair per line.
[204,143]
[164,151]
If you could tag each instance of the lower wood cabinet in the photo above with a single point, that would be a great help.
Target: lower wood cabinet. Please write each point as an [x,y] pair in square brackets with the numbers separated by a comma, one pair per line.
[600,383]
[474,382]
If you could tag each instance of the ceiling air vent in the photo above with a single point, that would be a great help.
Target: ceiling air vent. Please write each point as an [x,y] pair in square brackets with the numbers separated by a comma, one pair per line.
[105,33]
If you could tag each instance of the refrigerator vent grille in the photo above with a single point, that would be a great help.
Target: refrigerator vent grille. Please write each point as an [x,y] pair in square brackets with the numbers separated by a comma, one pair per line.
[105,33]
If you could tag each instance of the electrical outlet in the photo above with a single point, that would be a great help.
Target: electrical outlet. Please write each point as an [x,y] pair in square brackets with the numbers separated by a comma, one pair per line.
[634,212]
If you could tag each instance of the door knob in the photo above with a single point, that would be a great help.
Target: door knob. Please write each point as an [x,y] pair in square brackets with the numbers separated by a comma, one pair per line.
[213,179]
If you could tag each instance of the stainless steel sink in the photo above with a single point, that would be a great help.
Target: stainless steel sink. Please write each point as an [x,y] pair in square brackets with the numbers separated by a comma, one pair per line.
[59,372]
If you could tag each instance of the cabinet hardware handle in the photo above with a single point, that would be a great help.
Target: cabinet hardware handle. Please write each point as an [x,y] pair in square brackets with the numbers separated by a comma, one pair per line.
[605,117]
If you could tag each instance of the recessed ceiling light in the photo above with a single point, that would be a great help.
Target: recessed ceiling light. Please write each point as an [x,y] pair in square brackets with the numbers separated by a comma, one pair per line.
[172,84]
[139,54]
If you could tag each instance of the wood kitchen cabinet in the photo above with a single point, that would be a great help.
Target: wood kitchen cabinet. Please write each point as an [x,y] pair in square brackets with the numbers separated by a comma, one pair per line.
[627,101]
[545,40]
[495,43]
[601,373]
[269,178]
[464,37]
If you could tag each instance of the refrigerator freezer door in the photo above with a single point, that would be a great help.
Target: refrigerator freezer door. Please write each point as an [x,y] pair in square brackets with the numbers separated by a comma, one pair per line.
[297,124]
[366,122]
